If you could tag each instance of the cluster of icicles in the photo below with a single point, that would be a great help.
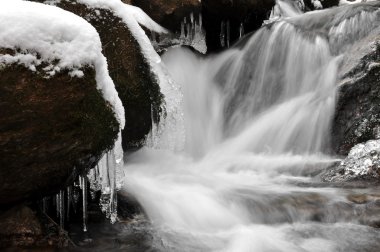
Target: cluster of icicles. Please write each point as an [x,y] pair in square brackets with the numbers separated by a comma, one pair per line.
[103,179]
[192,34]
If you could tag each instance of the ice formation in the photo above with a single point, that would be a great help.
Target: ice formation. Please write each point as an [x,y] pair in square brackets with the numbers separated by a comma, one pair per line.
[193,33]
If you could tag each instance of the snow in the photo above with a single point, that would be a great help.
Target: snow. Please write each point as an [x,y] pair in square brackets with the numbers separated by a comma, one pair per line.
[343,2]
[363,159]
[132,17]
[43,33]
[126,12]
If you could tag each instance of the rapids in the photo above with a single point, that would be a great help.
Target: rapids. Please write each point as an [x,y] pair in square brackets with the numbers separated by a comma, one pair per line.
[253,135]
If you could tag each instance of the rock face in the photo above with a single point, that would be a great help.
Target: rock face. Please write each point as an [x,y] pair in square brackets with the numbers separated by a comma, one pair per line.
[357,117]
[219,14]
[169,13]
[136,85]
[50,130]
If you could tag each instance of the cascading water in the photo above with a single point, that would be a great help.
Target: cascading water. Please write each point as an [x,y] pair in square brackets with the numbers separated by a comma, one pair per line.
[257,120]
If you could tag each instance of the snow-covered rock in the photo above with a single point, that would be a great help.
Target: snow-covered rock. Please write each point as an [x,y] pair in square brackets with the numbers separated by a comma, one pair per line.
[59,108]
[362,162]
[131,60]
[41,33]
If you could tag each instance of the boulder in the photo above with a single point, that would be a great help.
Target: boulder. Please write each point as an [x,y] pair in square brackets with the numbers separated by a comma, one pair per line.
[357,117]
[135,83]
[168,13]
[219,14]
[51,129]
[362,163]
[19,227]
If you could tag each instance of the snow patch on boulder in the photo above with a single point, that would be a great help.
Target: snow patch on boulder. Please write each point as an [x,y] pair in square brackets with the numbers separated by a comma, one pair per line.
[171,122]
[46,34]
[362,162]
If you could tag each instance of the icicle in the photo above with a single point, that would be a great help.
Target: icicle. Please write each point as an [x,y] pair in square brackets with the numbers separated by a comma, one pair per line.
[57,204]
[61,208]
[182,36]
[192,17]
[108,174]
[80,183]
[222,34]
[241,30]
[69,195]
[188,30]
[228,33]
[44,205]
[76,195]
[83,180]
[200,20]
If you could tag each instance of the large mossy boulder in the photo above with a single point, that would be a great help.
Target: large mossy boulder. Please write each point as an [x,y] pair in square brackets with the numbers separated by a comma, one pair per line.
[135,83]
[357,118]
[51,129]
[237,14]
[169,13]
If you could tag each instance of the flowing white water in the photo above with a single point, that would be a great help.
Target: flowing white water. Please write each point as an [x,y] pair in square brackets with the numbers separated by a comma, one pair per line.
[257,120]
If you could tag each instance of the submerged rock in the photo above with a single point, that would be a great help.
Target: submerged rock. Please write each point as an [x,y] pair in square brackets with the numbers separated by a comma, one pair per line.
[363,162]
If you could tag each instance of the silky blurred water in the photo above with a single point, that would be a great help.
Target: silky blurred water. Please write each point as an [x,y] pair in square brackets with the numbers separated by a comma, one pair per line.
[255,135]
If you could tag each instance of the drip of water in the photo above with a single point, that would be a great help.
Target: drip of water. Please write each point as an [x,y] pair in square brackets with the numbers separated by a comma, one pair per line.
[257,120]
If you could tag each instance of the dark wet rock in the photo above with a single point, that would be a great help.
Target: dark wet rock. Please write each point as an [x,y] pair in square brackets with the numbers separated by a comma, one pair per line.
[169,13]
[329,3]
[19,227]
[218,14]
[51,129]
[364,198]
[357,118]
[136,84]
[127,206]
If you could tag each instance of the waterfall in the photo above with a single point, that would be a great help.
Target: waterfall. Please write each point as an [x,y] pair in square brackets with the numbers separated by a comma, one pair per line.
[257,120]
